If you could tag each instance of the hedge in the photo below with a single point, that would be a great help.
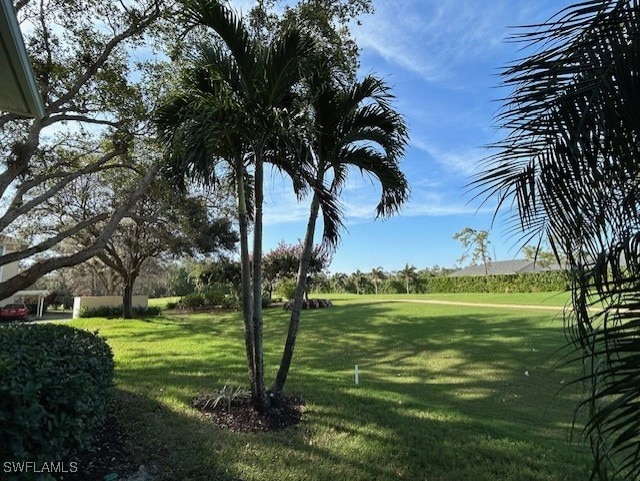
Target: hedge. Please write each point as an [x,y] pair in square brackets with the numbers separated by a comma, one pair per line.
[55,389]
[116,311]
[531,282]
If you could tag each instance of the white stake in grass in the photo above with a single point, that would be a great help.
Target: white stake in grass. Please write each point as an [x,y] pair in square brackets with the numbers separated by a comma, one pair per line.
[355,374]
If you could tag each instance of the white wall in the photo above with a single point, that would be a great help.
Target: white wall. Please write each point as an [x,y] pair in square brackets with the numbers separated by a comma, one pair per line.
[7,271]
[92,302]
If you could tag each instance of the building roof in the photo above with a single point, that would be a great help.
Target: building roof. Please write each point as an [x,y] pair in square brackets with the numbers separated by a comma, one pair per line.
[18,91]
[515,266]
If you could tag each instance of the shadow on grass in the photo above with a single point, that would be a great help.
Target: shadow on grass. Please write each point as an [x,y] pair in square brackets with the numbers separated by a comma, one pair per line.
[170,445]
[443,394]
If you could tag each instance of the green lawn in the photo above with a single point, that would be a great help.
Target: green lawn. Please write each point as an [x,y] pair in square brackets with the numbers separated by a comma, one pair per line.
[559,299]
[446,393]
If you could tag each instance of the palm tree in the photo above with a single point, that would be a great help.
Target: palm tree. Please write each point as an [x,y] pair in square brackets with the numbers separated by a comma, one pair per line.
[571,165]
[377,275]
[339,280]
[409,275]
[353,127]
[238,105]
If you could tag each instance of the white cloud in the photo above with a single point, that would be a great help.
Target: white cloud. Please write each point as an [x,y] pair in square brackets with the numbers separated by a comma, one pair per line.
[432,38]
[462,163]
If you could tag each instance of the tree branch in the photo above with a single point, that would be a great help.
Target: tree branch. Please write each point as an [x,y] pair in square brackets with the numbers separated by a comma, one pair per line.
[28,277]
[50,242]
[17,208]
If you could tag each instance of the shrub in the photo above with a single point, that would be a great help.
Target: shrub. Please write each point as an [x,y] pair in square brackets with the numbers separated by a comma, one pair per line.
[287,288]
[112,311]
[55,388]
[214,296]
[192,301]
[230,302]
[529,282]
[310,304]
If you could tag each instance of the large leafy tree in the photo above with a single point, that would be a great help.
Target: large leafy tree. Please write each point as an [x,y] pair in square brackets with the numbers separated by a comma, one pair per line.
[328,21]
[94,108]
[283,262]
[161,225]
[238,109]
[570,166]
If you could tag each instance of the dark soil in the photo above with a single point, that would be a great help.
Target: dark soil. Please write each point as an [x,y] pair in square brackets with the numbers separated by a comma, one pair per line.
[242,417]
[108,454]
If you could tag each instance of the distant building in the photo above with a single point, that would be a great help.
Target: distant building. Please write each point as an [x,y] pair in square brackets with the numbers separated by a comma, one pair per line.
[516,266]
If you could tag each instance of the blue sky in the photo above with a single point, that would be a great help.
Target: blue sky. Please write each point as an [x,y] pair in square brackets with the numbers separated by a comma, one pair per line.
[442,58]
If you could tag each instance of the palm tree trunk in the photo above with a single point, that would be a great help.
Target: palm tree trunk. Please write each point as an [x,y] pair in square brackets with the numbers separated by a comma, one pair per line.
[294,322]
[247,305]
[260,398]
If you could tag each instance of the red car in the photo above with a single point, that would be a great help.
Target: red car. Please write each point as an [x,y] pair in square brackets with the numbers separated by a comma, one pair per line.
[14,312]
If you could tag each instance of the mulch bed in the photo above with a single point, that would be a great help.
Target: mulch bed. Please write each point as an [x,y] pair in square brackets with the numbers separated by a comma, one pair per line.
[107,456]
[242,417]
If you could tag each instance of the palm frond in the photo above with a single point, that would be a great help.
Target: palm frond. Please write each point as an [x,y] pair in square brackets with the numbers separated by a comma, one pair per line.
[569,169]
[284,63]
[230,28]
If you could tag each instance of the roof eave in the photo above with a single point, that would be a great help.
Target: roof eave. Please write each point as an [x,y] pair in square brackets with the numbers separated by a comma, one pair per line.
[19,93]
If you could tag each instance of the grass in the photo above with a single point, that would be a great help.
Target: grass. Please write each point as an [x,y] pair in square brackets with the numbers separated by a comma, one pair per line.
[446,393]
[559,299]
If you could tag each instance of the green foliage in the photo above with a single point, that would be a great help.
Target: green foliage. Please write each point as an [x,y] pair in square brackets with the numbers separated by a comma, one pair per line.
[475,244]
[116,311]
[287,288]
[181,283]
[214,296]
[567,171]
[227,394]
[532,282]
[96,95]
[55,390]
[192,301]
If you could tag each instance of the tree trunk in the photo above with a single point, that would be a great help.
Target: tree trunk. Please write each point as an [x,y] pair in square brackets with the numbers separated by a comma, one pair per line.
[294,322]
[127,297]
[261,400]
[247,314]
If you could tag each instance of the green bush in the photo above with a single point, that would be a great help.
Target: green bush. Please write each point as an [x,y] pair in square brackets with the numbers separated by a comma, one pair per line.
[215,296]
[55,390]
[192,301]
[531,282]
[287,288]
[111,311]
